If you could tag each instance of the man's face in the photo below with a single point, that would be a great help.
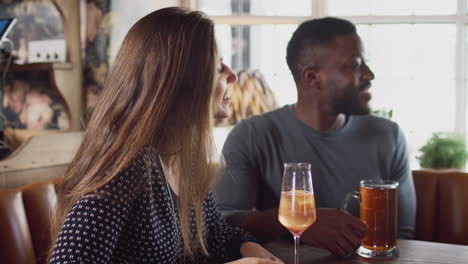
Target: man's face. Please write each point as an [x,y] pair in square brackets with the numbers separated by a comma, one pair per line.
[345,78]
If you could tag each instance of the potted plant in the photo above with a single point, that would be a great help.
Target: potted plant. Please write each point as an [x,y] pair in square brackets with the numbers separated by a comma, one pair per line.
[383,113]
[444,151]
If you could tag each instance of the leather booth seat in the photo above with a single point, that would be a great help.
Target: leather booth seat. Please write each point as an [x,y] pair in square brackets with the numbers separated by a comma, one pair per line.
[25,212]
[25,222]
[442,206]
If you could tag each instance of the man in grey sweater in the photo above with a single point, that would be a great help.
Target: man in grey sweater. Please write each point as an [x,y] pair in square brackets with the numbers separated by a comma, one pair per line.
[330,127]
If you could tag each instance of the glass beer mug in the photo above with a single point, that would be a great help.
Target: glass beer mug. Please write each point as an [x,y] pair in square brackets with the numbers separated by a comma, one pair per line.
[379,211]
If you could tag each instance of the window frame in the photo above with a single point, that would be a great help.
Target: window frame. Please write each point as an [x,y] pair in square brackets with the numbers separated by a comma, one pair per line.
[319,7]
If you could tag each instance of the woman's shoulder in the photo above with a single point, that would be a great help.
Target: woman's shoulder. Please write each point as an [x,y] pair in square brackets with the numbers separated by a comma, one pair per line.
[133,179]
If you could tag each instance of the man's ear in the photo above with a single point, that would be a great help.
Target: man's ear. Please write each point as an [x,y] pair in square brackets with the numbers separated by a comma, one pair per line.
[311,76]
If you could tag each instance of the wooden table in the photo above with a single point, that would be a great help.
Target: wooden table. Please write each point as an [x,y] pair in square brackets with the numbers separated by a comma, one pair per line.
[411,251]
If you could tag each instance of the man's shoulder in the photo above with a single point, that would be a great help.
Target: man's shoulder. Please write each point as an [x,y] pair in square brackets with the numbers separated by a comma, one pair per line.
[374,122]
[265,120]
[260,127]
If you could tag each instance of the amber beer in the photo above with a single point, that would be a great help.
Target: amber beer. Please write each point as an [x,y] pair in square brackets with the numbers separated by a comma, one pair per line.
[379,211]
[378,205]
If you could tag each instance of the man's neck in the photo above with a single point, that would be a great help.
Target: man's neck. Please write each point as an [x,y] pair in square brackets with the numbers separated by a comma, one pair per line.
[317,119]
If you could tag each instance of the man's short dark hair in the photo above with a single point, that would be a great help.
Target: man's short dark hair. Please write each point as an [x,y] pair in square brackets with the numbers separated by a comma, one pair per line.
[312,33]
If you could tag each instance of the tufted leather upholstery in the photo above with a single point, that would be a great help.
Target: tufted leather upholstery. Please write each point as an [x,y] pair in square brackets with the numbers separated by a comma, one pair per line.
[442,200]
[24,222]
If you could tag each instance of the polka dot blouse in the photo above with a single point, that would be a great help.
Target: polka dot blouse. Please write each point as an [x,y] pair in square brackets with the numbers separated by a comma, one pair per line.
[130,221]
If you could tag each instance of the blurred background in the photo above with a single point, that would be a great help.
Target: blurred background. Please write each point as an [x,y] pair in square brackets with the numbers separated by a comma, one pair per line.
[416,48]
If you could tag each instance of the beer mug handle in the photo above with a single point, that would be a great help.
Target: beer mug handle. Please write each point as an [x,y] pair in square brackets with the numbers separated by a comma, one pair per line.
[348,197]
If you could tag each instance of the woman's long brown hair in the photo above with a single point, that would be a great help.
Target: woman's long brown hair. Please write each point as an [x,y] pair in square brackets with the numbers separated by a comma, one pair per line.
[160,94]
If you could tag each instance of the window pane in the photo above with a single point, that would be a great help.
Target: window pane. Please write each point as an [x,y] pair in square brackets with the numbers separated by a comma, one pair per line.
[257,7]
[268,54]
[266,45]
[466,89]
[434,7]
[281,7]
[393,7]
[466,68]
[216,7]
[126,13]
[225,44]
[410,51]
[348,8]
[402,58]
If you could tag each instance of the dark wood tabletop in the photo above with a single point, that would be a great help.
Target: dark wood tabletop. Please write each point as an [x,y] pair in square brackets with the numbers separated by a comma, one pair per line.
[411,251]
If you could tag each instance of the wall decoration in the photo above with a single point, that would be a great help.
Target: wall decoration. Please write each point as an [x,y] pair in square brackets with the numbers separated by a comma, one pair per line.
[30,102]
[30,98]
[96,24]
[250,95]
[104,25]
[35,20]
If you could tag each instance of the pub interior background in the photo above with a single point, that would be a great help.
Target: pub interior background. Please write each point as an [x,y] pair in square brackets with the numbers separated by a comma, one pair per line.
[417,50]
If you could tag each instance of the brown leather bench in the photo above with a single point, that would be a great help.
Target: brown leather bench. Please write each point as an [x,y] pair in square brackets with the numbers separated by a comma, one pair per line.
[25,212]
[442,200]
[24,222]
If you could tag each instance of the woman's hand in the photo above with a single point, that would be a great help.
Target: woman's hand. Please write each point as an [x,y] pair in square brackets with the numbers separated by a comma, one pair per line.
[254,261]
[250,249]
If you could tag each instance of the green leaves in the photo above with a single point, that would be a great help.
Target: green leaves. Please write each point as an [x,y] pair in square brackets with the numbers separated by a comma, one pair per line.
[444,150]
[383,113]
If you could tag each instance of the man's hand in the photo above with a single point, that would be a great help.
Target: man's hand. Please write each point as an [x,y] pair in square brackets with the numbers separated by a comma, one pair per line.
[336,231]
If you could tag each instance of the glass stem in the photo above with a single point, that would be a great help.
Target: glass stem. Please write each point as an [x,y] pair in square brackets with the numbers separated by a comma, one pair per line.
[296,249]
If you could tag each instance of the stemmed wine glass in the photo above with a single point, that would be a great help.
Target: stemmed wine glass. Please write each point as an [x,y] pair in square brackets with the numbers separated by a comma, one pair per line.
[297,203]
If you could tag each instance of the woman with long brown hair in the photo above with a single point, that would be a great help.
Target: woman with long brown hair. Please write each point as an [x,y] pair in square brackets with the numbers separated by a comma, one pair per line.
[138,190]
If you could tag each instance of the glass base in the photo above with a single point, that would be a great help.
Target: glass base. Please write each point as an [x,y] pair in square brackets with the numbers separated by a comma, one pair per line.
[368,253]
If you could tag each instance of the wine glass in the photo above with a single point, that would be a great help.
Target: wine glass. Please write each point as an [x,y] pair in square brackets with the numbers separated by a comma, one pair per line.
[297,203]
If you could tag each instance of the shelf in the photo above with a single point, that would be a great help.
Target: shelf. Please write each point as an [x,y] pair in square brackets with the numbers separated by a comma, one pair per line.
[38,66]
[62,66]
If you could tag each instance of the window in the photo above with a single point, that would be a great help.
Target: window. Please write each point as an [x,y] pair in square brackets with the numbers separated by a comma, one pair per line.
[265,49]
[416,48]
[390,8]
[126,13]
[415,76]
[256,7]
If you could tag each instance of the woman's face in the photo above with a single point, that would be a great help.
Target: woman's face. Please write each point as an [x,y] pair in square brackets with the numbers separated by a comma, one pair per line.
[222,100]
